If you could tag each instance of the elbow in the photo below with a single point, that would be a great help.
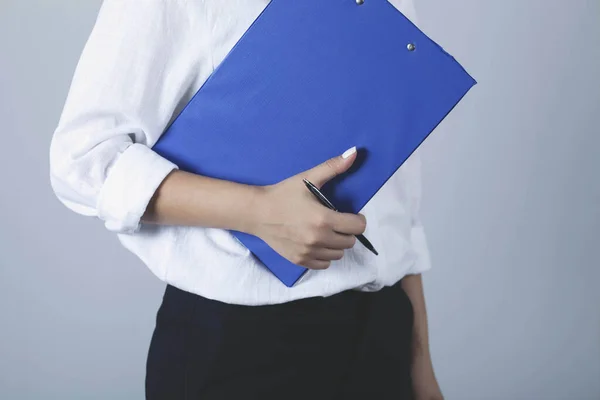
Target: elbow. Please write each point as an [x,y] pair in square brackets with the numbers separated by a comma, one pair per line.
[106,175]
[68,180]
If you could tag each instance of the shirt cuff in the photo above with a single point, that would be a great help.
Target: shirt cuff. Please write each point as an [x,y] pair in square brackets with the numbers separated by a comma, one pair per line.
[421,249]
[130,185]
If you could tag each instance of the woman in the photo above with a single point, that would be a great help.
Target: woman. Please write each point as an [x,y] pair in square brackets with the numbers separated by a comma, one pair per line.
[226,327]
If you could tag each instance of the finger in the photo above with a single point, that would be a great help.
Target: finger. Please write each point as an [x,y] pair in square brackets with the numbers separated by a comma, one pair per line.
[337,241]
[347,223]
[317,264]
[327,254]
[329,169]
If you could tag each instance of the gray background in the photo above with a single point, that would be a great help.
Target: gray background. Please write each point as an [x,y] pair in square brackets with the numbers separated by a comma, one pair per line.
[511,207]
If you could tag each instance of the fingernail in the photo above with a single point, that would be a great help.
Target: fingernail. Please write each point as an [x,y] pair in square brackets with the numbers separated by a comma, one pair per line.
[349,152]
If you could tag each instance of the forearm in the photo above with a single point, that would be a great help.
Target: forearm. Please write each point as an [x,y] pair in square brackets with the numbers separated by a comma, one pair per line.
[413,286]
[193,200]
[425,385]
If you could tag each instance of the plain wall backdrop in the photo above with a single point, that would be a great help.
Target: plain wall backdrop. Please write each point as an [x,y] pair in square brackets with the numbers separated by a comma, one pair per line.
[511,207]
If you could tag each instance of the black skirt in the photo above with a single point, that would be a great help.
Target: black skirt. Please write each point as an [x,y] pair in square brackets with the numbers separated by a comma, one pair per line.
[346,346]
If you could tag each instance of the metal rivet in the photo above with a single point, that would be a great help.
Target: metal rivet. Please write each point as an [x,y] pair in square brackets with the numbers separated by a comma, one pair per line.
[410,46]
[360,2]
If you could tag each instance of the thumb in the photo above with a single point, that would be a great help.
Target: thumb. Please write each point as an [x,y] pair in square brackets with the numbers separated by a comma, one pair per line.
[329,169]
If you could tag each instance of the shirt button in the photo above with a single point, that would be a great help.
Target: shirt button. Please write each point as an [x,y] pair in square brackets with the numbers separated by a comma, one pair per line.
[410,46]
[359,2]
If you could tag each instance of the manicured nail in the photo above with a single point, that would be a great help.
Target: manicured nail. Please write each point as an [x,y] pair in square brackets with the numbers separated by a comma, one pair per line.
[349,152]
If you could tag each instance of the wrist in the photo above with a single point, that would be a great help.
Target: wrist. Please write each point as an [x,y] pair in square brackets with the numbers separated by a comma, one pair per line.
[255,212]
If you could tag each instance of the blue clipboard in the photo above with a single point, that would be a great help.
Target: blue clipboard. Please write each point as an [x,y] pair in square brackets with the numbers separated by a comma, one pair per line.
[308,80]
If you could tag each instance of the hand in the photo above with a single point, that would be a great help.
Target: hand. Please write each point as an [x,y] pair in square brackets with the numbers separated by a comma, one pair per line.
[300,228]
[425,385]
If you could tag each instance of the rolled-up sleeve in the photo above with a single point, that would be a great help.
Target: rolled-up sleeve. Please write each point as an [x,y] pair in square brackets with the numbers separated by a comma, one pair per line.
[418,236]
[135,70]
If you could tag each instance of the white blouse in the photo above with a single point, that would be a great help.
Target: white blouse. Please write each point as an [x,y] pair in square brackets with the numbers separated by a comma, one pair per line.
[142,63]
